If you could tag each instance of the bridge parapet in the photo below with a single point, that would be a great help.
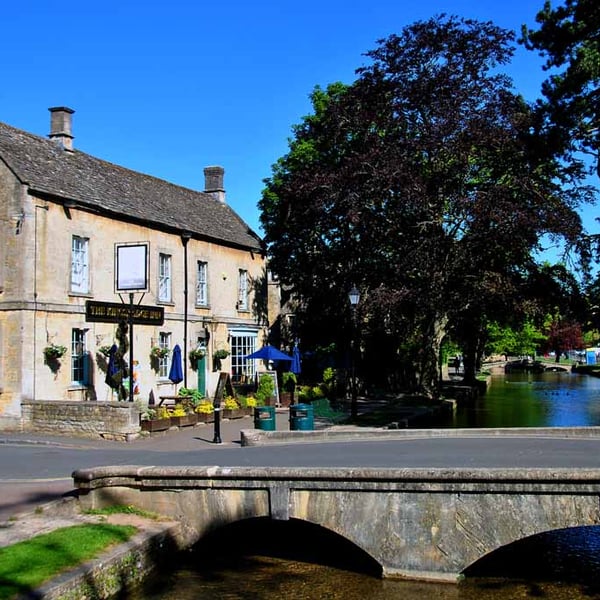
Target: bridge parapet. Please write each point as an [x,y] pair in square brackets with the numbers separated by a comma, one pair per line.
[416,523]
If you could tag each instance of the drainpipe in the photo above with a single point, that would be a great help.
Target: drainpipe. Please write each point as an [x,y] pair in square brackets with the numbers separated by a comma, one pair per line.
[185,238]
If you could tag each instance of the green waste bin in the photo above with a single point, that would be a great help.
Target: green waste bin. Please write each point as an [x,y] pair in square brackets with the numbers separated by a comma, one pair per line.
[302,417]
[264,418]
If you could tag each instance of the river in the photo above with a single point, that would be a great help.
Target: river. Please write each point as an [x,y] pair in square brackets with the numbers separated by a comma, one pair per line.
[291,563]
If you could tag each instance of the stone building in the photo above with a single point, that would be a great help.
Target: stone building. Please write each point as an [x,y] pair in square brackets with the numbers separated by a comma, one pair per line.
[63,215]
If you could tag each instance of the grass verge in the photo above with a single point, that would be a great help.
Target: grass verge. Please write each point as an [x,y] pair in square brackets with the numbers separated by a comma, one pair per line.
[124,509]
[26,565]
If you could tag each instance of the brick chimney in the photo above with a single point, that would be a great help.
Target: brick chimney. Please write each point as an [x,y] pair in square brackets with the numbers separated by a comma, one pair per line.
[60,126]
[213,183]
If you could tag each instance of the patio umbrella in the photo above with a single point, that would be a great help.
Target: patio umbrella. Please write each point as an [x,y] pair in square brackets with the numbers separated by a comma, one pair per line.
[176,372]
[268,353]
[296,366]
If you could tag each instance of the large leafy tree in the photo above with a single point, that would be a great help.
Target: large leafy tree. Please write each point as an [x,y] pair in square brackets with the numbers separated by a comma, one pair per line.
[422,183]
[569,38]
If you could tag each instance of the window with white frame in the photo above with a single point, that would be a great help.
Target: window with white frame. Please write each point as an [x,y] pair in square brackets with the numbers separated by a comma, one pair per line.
[242,343]
[164,341]
[202,283]
[80,274]
[242,303]
[78,356]
[164,277]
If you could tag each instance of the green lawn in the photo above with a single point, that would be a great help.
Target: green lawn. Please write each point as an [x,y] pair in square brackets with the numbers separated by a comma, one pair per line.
[26,565]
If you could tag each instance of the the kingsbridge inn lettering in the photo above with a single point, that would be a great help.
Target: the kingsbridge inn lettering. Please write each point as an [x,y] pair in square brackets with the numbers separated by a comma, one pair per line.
[112,312]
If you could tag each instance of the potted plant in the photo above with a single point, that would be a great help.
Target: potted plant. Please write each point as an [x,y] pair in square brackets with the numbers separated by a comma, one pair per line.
[54,351]
[247,404]
[155,419]
[195,355]
[205,412]
[231,409]
[158,352]
[289,385]
[265,391]
[180,417]
[218,356]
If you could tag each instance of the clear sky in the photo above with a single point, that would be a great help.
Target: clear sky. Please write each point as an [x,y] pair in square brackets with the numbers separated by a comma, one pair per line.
[167,88]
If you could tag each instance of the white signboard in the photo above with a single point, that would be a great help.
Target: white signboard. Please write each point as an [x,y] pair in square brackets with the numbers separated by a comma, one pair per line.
[131,267]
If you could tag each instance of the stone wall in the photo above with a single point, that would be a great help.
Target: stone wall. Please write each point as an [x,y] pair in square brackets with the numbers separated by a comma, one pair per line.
[110,420]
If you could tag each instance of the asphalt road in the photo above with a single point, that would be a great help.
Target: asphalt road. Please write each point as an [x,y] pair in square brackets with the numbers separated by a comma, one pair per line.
[38,469]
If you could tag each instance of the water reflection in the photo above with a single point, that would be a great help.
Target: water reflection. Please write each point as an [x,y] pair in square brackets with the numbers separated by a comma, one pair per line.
[535,400]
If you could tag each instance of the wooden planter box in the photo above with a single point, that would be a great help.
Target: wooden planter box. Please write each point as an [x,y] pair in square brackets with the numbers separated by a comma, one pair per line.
[185,421]
[205,417]
[285,398]
[156,425]
[232,413]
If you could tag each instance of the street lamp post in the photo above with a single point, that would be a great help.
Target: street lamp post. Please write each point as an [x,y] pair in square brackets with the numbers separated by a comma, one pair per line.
[354,297]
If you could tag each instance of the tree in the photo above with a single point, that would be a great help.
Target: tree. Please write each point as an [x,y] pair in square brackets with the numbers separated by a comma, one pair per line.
[422,183]
[569,38]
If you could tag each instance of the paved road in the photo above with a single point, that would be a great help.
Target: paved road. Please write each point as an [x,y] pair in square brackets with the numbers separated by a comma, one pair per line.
[35,469]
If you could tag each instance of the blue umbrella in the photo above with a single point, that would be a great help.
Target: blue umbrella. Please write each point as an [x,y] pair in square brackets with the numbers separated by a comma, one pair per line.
[269,353]
[176,372]
[296,366]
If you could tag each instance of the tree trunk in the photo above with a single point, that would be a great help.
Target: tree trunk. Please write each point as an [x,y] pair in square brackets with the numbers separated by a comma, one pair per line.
[428,380]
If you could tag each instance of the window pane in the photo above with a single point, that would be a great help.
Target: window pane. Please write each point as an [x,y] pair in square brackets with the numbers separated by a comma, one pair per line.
[242,370]
[202,284]
[243,290]
[164,341]
[77,355]
[164,278]
[79,265]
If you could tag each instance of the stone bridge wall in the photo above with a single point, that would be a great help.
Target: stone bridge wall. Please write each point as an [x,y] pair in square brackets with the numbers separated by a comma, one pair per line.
[422,524]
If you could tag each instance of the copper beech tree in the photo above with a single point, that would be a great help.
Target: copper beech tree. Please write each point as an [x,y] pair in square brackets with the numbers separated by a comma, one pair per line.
[424,184]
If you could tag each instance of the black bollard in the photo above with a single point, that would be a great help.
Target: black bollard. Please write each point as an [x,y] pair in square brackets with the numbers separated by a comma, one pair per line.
[217,437]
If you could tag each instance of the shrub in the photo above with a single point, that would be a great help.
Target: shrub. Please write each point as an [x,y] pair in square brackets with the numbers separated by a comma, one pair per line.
[266,388]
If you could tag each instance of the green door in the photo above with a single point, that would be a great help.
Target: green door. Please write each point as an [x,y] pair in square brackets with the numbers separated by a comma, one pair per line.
[201,364]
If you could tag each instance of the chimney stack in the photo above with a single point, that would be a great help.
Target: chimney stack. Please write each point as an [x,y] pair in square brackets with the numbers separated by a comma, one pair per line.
[213,183]
[60,126]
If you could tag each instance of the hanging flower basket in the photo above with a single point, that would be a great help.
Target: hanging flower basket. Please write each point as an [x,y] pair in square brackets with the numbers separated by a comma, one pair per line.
[158,352]
[197,354]
[54,352]
[220,354]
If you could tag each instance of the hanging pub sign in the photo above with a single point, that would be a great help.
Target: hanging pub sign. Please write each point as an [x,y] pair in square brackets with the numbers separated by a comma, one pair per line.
[131,267]
[113,312]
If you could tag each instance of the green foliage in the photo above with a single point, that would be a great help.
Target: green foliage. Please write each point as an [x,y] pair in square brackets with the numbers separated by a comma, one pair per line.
[308,393]
[26,565]
[514,342]
[423,184]
[289,381]
[266,389]
[569,38]
[196,395]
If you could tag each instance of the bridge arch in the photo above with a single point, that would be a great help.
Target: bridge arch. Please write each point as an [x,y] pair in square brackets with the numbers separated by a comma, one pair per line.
[563,551]
[293,539]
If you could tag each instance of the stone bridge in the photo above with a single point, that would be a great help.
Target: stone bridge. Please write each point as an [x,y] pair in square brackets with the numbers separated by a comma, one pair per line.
[416,523]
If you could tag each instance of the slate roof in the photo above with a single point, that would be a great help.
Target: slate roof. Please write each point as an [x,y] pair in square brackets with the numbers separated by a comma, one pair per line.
[101,186]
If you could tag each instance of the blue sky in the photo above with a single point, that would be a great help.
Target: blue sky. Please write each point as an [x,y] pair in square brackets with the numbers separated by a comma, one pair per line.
[169,88]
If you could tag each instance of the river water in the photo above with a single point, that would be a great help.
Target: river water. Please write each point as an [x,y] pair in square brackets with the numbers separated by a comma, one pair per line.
[272,560]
